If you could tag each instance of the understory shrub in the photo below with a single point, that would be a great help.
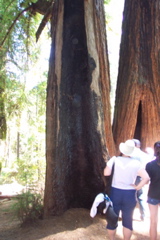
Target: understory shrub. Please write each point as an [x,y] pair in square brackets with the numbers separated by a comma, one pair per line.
[28,207]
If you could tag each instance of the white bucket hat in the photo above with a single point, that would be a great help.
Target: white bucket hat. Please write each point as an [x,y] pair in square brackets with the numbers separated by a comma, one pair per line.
[127,148]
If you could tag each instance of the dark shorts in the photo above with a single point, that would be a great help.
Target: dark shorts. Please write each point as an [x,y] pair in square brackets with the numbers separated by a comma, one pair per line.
[153,201]
[124,201]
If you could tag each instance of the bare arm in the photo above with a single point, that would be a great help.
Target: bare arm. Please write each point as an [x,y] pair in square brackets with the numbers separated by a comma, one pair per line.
[109,165]
[107,171]
[145,179]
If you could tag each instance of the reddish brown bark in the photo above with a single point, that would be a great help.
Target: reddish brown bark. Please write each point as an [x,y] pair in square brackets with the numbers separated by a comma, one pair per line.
[137,107]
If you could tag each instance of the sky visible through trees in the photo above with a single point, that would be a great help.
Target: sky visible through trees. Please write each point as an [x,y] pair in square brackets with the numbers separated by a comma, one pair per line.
[115,10]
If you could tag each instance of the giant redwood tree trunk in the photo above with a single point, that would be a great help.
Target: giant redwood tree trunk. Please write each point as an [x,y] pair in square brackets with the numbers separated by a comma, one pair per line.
[77,106]
[137,107]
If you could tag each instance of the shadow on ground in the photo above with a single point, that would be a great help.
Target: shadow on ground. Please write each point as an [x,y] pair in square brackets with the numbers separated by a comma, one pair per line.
[74,224]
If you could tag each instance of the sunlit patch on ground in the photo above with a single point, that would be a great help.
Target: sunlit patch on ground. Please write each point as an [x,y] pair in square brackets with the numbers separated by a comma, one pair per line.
[11,189]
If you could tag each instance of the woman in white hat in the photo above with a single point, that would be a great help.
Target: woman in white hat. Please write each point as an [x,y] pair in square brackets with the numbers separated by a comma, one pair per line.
[123,189]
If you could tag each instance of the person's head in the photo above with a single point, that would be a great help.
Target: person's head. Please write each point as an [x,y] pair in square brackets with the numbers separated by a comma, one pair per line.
[157,150]
[127,147]
[137,143]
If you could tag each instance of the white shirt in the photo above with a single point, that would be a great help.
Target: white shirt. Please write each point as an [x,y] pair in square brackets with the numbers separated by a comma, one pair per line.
[125,171]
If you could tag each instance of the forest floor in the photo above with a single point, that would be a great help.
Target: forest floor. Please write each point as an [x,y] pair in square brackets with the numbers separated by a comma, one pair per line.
[74,224]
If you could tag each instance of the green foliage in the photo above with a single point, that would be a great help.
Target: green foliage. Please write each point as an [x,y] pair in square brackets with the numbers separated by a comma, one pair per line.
[22,107]
[18,52]
[7,177]
[15,97]
[107,1]
[26,172]
[28,207]
[38,97]
[26,129]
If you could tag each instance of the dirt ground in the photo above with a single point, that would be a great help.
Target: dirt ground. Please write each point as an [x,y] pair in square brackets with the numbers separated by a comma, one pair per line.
[74,224]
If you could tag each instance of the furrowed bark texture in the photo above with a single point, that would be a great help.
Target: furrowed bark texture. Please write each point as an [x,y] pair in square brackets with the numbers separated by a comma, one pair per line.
[77,93]
[137,107]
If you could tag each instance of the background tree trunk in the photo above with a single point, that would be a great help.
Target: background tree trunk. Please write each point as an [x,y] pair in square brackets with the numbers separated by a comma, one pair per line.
[137,107]
[3,125]
[77,106]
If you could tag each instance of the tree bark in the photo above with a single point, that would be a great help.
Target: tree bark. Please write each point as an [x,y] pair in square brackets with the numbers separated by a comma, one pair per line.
[3,125]
[77,106]
[137,106]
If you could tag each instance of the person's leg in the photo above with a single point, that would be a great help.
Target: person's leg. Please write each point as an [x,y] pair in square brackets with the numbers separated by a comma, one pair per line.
[127,233]
[140,198]
[142,204]
[127,224]
[153,221]
[111,234]
[129,203]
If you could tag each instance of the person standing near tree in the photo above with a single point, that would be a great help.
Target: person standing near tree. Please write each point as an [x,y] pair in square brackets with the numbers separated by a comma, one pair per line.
[153,169]
[123,189]
[144,158]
